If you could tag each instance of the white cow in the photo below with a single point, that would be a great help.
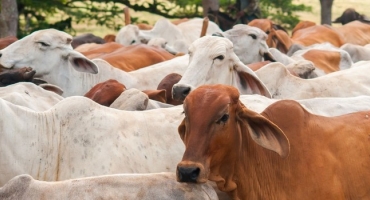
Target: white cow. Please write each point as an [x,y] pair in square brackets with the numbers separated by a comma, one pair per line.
[357,52]
[345,61]
[30,96]
[50,53]
[79,138]
[212,60]
[161,186]
[325,106]
[344,83]
[249,43]
[178,37]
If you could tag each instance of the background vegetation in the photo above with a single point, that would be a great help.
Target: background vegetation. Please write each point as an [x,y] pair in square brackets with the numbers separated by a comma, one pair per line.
[106,16]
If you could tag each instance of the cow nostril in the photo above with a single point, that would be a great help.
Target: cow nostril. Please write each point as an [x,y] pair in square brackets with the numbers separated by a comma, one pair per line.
[1,55]
[188,174]
[180,92]
[186,91]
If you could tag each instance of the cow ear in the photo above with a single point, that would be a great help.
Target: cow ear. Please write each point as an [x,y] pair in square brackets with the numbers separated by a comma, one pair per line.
[38,81]
[80,63]
[249,80]
[52,88]
[283,41]
[157,95]
[181,129]
[264,132]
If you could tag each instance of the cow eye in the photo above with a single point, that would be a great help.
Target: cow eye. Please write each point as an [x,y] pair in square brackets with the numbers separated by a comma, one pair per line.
[267,32]
[44,44]
[133,41]
[253,36]
[220,57]
[223,119]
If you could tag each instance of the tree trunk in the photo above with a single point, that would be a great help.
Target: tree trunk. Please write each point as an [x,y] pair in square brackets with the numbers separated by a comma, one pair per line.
[8,18]
[326,6]
[213,5]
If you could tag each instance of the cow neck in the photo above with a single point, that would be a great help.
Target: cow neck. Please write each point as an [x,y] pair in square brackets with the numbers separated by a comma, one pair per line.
[263,174]
[256,172]
[37,130]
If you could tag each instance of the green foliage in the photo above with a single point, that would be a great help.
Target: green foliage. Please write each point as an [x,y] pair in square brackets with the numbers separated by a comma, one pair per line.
[282,11]
[59,14]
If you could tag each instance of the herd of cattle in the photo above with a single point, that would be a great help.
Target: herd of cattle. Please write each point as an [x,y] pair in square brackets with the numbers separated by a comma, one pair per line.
[247,113]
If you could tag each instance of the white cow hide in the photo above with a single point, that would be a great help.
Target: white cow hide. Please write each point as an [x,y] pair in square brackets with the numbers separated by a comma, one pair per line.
[30,96]
[179,37]
[345,83]
[357,52]
[154,186]
[79,138]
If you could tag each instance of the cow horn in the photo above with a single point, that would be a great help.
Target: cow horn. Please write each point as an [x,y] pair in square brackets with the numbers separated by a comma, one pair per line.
[204,26]
[126,11]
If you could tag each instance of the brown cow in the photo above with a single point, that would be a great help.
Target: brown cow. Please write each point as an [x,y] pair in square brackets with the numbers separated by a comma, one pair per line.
[86,38]
[302,25]
[106,92]
[6,41]
[320,157]
[355,32]
[129,58]
[267,26]
[109,38]
[157,95]
[307,36]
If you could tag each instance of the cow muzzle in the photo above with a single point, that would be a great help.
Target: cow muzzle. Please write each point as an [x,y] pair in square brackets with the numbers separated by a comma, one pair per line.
[179,92]
[191,172]
[188,174]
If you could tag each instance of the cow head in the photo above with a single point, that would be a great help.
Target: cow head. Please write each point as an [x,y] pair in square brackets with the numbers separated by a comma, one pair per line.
[350,15]
[212,61]
[249,43]
[217,130]
[45,51]
[129,35]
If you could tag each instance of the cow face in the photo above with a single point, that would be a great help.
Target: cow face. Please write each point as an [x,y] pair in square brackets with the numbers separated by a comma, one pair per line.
[214,132]
[45,51]
[249,43]
[129,35]
[212,61]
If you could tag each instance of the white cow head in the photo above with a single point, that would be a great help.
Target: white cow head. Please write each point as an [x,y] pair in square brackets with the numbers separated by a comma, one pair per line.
[46,51]
[129,35]
[249,43]
[212,61]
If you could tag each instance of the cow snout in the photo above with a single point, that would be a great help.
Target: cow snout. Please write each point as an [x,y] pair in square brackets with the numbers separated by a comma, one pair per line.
[180,92]
[188,174]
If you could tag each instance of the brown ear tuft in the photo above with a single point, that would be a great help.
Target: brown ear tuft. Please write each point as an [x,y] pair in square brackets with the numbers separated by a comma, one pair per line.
[69,40]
